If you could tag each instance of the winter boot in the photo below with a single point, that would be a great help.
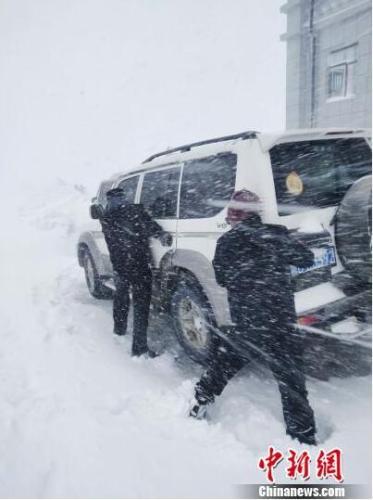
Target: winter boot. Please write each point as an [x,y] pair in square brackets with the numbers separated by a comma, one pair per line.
[147,353]
[305,437]
[198,410]
[119,330]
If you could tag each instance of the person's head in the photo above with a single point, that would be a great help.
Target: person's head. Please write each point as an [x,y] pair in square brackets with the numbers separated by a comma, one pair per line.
[115,197]
[243,205]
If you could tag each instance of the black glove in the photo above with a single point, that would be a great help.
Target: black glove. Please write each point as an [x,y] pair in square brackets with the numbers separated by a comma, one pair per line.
[166,239]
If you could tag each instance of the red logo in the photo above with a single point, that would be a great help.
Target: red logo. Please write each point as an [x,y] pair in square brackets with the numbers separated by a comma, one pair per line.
[330,464]
[299,465]
[269,463]
[327,464]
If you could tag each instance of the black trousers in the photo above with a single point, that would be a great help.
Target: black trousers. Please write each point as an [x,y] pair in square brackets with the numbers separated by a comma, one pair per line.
[141,287]
[283,354]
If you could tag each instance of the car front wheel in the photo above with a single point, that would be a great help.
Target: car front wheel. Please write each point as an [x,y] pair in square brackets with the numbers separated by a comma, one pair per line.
[94,284]
[193,319]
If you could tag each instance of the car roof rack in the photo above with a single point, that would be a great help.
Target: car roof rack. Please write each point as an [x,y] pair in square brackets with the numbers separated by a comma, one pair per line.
[250,134]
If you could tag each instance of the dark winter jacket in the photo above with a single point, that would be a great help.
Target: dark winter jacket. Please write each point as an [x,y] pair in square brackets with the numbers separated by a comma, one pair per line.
[127,230]
[252,261]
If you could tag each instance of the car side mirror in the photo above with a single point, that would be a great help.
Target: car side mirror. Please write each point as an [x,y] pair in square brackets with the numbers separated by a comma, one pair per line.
[96,211]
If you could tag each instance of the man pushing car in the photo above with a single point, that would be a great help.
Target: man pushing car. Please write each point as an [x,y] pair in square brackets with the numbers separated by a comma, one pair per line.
[127,228]
[252,261]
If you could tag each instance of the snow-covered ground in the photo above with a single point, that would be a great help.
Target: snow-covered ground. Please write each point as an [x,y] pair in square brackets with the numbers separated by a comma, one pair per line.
[88,88]
[80,418]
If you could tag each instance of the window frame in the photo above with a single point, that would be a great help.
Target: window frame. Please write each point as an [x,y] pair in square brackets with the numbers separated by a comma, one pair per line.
[331,70]
[160,168]
[348,64]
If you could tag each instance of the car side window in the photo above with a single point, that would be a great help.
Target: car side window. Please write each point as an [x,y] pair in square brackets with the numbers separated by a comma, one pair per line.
[207,185]
[129,187]
[159,193]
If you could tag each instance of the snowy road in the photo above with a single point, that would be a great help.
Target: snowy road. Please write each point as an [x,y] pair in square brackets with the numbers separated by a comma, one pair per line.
[80,418]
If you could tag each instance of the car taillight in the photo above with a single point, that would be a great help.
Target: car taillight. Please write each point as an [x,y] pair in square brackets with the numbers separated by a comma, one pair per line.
[307,320]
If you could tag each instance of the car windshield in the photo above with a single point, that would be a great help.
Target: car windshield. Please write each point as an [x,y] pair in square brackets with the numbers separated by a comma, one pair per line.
[104,188]
[317,173]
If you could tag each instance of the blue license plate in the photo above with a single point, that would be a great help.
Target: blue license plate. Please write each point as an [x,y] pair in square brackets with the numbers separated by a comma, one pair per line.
[323,257]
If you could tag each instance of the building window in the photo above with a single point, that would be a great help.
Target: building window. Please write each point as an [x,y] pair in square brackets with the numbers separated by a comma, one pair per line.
[341,68]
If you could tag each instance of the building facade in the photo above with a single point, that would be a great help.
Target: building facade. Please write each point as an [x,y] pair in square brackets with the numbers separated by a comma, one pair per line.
[329,65]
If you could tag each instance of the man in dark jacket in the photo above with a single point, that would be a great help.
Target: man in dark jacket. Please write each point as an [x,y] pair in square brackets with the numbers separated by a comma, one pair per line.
[127,228]
[252,261]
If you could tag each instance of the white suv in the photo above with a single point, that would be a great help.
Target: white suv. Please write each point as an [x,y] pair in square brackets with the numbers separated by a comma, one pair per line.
[315,182]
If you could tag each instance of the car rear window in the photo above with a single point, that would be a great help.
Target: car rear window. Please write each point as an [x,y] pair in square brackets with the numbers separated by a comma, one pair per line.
[317,173]
[207,185]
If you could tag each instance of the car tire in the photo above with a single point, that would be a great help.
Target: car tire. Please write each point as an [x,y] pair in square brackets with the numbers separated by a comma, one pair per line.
[193,319]
[353,230]
[94,284]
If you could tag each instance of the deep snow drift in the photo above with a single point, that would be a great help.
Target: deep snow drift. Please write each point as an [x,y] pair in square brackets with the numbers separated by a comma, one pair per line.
[80,418]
